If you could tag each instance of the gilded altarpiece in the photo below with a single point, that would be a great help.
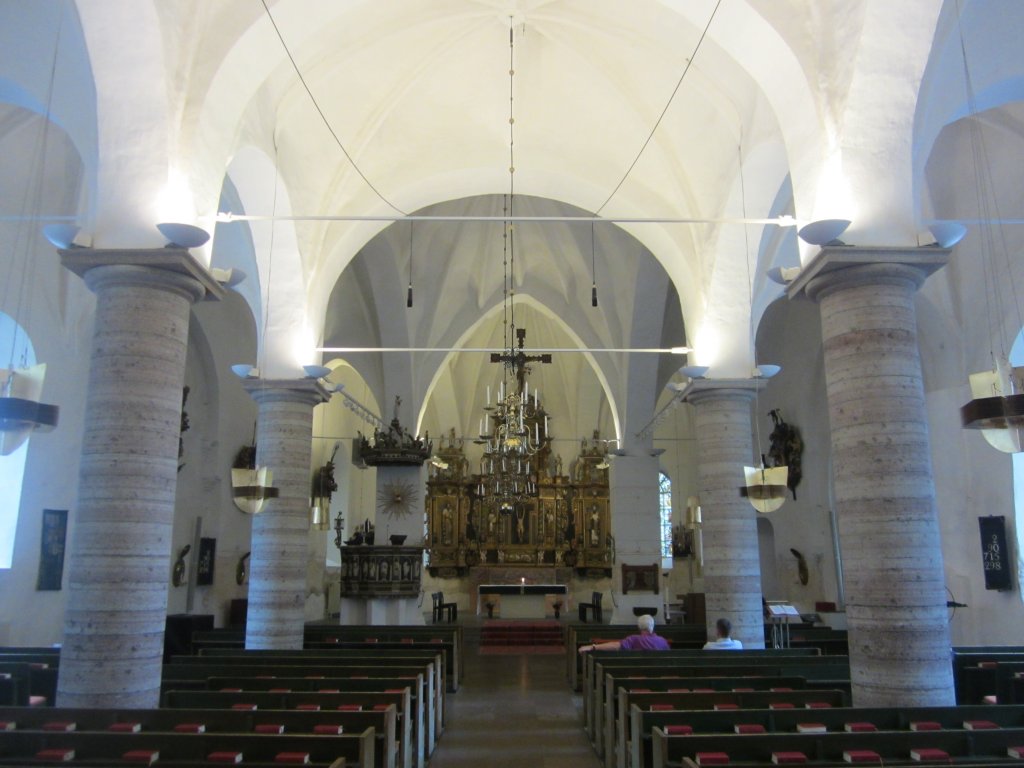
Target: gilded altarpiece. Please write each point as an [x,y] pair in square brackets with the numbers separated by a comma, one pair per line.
[566,524]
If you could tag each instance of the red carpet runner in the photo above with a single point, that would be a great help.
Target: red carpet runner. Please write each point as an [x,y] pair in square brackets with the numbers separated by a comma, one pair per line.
[504,637]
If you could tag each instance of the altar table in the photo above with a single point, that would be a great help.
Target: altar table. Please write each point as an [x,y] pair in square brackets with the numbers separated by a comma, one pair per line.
[521,601]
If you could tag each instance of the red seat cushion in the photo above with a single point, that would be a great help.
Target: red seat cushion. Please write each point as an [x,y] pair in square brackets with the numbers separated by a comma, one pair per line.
[928,753]
[788,758]
[862,756]
[747,728]
[712,758]
[980,725]
[860,727]
[678,730]
[925,725]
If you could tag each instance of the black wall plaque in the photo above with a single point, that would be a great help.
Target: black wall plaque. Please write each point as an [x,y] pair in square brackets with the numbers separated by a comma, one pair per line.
[51,549]
[204,568]
[995,556]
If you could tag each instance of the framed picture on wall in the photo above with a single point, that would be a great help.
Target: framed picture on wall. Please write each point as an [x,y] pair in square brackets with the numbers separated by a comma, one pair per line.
[51,550]
[204,568]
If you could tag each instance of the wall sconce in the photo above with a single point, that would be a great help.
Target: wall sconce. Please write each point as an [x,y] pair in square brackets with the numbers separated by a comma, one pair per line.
[783,275]
[316,371]
[824,232]
[61,235]
[947,233]
[183,235]
[229,278]
[766,371]
[245,371]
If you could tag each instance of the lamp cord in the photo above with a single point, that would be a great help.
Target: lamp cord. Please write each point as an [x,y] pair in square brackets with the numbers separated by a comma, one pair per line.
[750,297]
[32,200]
[986,204]
[323,117]
[657,122]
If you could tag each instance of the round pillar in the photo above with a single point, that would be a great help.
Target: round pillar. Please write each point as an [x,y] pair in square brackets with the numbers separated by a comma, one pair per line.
[119,563]
[732,565]
[280,533]
[884,491]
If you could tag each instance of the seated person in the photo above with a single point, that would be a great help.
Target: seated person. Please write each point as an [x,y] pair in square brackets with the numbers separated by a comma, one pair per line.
[645,641]
[723,642]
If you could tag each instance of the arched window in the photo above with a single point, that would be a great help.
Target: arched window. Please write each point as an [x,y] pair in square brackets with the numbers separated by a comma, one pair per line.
[665,507]
[17,352]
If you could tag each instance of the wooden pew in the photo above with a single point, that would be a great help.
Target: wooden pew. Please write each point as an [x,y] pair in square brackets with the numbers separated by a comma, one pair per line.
[818,671]
[616,726]
[615,733]
[331,635]
[432,659]
[971,669]
[32,683]
[680,637]
[676,658]
[389,752]
[642,721]
[891,746]
[412,735]
[362,651]
[427,701]
[20,747]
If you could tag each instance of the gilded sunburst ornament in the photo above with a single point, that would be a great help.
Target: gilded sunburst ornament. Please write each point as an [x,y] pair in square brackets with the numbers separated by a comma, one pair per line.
[396,499]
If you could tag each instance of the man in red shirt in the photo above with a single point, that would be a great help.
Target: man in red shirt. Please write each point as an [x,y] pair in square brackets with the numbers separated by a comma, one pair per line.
[645,641]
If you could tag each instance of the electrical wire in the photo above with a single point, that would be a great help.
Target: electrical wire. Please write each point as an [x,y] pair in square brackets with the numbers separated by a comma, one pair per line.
[323,117]
[675,90]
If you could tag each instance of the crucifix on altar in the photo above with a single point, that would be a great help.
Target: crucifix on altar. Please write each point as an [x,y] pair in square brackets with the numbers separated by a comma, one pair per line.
[517,359]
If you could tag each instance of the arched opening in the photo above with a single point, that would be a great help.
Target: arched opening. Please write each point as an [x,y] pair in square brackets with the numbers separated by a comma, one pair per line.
[15,341]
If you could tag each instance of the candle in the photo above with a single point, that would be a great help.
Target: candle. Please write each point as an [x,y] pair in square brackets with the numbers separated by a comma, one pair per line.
[536,433]
[526,390]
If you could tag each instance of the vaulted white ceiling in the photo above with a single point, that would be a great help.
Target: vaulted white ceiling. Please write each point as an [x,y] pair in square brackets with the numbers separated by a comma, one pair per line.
[705,110]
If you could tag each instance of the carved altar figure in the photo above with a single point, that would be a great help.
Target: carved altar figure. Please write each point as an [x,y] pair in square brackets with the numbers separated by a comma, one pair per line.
[446,525]
[595,526]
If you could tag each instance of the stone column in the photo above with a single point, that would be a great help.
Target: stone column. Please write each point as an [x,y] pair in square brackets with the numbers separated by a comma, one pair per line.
[280,533]
[119,563]
[732,566]
[884,491]
[636,528]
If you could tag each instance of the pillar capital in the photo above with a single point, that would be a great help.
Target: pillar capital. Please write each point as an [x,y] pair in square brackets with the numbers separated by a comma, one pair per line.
[308,391]
[845,266]
[702,390]
[173,269]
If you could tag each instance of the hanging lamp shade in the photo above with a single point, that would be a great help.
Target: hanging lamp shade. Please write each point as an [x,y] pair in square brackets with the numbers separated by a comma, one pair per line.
[21,413]
[997,407]
[320,517]
[765,487]
[251,488]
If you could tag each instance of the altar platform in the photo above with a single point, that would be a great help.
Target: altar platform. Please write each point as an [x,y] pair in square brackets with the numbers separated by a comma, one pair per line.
[522,601]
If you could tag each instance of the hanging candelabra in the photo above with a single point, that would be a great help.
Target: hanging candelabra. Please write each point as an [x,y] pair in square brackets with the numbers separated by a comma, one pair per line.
[513,431]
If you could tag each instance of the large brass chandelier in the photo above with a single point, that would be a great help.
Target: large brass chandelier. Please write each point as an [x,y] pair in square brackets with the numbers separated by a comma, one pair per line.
[514,428]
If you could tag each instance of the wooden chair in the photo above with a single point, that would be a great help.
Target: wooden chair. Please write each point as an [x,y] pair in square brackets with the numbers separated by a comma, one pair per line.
[594,606]
[441,608]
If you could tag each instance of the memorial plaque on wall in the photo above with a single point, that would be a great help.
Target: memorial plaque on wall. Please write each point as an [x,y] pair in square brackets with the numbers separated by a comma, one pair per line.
[995,556]
[51,555]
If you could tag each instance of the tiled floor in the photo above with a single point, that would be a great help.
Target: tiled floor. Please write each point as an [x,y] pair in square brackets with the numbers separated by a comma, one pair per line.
[514,711]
